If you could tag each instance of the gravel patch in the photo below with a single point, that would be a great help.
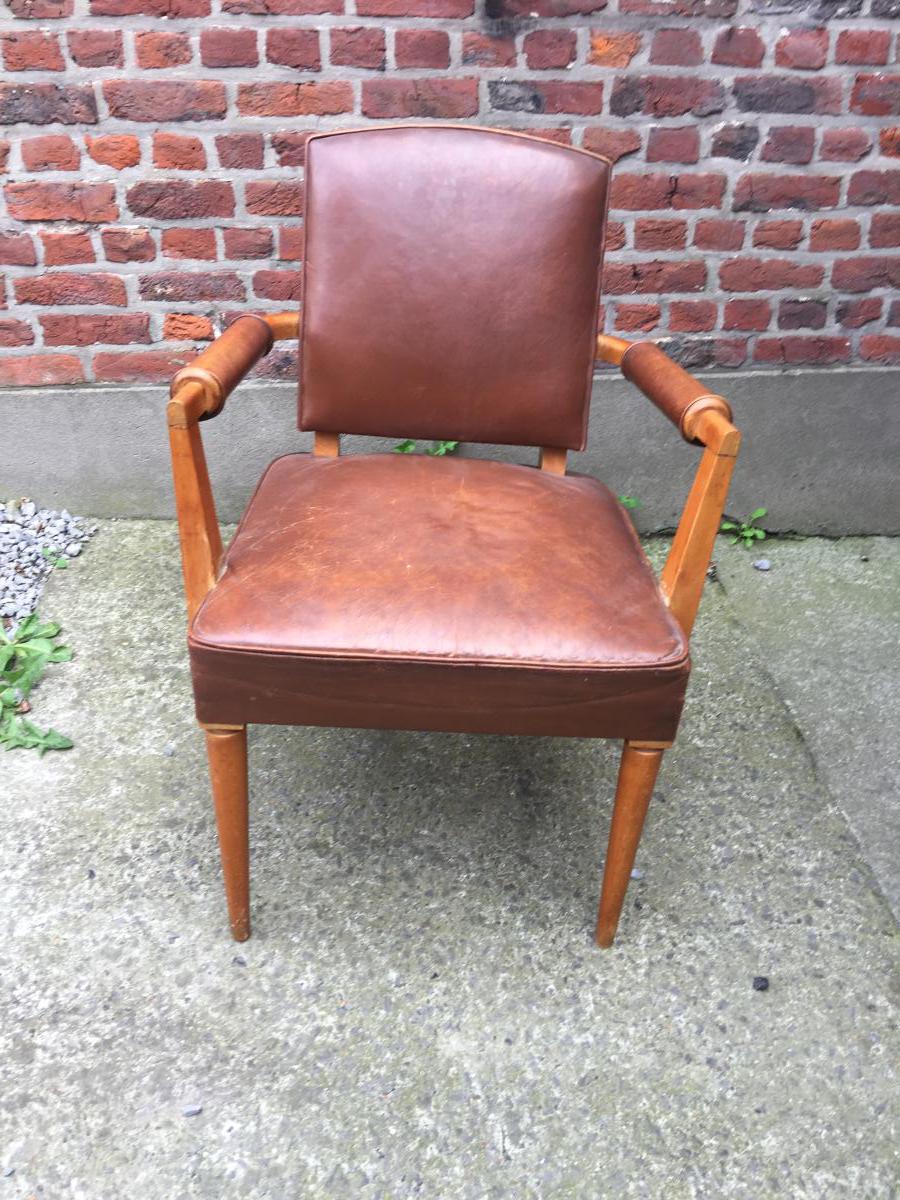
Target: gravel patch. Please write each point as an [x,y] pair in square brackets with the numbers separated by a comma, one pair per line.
[33,543]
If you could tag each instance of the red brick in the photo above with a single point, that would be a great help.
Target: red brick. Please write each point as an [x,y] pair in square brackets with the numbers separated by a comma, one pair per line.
[615,235]
[767,274]
[89,329]
[802,314]
[880,347]
[680,8]
[150,8]
[676,48]
[802,351]
[612,143]
[802,49]
[730,352]
[739,46]
[844,145]
[278,285]
[652,233]
[40,10]
[543,96]
[889,142]
[189,243]
[51,152]
[894,314]
[189,286]
[15,333]
[128,244]
[778,235]
[96,47]
[637,192]
[297,48]
[549,49]
[479,49]
[767,92]
[529,9]
[854,314]
[761,193]
[613,49]
[83,202]
[240,151]
[139,366]
[283,8]
[839,234]
[37,370]
[17,249]
[884,231]
[175,199]
[231,47]
[713,233]
[637,318]
[789,144]
[666,96]
[166,100]
[159,51]
[358,46]
[64,288]
[176,152]
[698,191]
[290,243]
[4,154]
[117,150]
[252,242]
[747,314]
[32,51]
[415,8]
[864,274]
[290,147]
[294,99]
[655,276]
[46,104]
[679,145]
[389,98]
[187,327]
[274,198]
[67,249]
[874,187]
[876,95]
[863,47]
[692,316]
[428,48]
[734,141]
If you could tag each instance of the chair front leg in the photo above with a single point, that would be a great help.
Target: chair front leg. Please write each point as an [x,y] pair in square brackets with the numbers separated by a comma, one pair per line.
[227,752]
[637,775]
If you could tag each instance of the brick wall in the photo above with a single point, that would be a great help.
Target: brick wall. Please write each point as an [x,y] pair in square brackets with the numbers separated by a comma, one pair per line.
[153,154]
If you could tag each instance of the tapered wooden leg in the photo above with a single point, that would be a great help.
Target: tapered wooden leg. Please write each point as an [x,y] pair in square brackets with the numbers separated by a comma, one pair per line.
[227,751]
[637,775]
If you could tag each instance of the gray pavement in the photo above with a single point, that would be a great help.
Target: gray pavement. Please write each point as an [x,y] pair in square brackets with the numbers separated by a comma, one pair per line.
[421,1012]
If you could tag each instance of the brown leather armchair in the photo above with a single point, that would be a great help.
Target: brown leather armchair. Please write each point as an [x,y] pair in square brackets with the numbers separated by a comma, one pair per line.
[451,291]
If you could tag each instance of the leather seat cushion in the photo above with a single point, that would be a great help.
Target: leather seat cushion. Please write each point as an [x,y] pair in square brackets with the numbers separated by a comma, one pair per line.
[411,592]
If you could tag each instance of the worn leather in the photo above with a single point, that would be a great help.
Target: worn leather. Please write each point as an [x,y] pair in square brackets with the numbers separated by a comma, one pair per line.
[674,392]
[409,592]
[451,285]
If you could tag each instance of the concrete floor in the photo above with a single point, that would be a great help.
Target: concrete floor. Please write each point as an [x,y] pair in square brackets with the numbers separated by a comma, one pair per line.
[421,1012]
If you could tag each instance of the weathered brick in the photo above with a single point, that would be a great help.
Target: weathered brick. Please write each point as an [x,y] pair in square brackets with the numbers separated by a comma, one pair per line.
[290,243]
[679,8]
[655,276]
[676,48]
[654,233]
[482,50]
[512,9]
[177,152]
[802,49]
[692,316]
[889,142]
[252,242]
[790,144]
[666,96]
[175,199]
[615,236]
[236,47]
[128,244]
[761,193]
[187,286]
[768,274]
[50,152]
[139,366]
[778,235]
[295,99]
[67,249]
[884,231]
[880,348]
[837,234]
[32,51]
[549,49]
[637,318]
[787,94]
[429,48]
[876,95]
[158,51]
[166,100]
[290,147]
[844,145]
[863,47]
[282,8]
[276,198]
[90,329]
[802,351]
[240,151]
[17,249]
[85,202]
[278,285]
[539,96]
[297,48]
[679,145]
[150,8]
[855,314]
[40,370]
[612,143]
[47,104]
[392,98]
[609,49]
[739,46]
[864,274]
[64,288]
[874,187]
[96,47]
[747,314]
[15,333]
[117,150]
[713,233]
[734,141]
[358,46]
[189,243]
[187,327]
[415,8]
[802,313]
[40,10]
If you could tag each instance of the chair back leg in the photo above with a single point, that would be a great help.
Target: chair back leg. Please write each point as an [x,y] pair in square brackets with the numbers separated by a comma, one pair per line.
[227,753]
[637,775]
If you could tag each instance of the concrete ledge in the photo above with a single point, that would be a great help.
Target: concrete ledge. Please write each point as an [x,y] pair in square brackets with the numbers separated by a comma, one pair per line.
[821,448]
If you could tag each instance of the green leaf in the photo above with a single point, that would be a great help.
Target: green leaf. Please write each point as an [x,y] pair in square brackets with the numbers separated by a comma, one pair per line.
[60,654]
[61,564]
[629,502]
[439,449]
[25,628]
[406,447]
[760,533]
[726,525]
[757,513]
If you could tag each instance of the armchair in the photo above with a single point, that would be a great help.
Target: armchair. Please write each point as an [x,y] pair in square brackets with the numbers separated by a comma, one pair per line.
[455,594]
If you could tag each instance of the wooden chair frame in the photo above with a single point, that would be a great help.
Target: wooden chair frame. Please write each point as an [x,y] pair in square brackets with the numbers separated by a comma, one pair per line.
[200,391]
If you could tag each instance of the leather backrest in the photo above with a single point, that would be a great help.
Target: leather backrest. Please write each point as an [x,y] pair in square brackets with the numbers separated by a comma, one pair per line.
[451,285]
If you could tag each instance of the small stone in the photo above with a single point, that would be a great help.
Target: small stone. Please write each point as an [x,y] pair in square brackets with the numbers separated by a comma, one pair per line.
[27,509]
[168,751]
[762,564]
[760,983]
[192,1110]
[73,549]
[864,558]
[239,960]
[637,873]
[8,1171]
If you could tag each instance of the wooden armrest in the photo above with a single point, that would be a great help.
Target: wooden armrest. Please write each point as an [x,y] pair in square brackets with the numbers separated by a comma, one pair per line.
[199,390]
